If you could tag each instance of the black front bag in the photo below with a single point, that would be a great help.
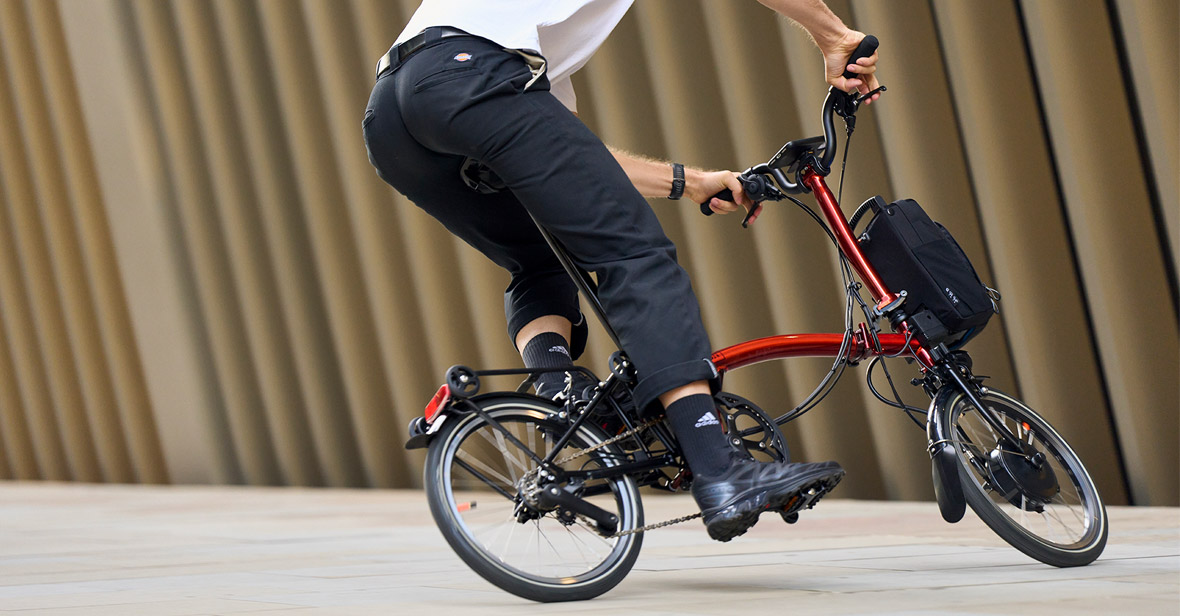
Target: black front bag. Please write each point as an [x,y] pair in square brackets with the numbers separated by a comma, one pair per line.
[945,300]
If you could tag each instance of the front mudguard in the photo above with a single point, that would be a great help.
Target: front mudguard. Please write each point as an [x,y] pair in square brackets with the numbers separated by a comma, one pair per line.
[944,459]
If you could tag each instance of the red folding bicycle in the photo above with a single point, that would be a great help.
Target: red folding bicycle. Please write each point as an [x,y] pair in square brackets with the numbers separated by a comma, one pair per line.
[541,497]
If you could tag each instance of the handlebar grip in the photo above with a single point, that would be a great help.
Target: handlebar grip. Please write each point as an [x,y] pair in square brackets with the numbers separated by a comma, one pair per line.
[865,49]
[724,195]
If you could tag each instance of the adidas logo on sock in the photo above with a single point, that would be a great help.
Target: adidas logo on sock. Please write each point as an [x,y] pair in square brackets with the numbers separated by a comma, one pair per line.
[559,349]
[708,419]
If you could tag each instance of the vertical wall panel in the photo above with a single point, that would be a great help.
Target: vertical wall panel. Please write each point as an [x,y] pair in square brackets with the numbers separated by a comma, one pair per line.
[300,291]
[1026,235]
[184,397]
[279,399]
[1113,230]
[350,315]
[48,320]
[30,381]
[1148,33]
[5,466]
[189,185]
[119,353]
[382,253]
[95,396]
[14,427]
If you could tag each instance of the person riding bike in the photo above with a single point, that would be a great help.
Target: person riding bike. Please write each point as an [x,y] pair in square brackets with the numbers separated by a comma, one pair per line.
[473,118]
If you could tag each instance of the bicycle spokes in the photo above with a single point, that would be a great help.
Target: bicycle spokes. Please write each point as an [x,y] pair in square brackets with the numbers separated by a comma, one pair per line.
[494,494]
[1033,486]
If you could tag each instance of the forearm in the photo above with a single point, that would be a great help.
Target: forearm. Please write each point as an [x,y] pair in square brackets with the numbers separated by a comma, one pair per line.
[651,177]
[815,17]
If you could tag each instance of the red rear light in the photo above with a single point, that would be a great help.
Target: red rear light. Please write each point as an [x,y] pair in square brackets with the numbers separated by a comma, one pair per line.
[440,399]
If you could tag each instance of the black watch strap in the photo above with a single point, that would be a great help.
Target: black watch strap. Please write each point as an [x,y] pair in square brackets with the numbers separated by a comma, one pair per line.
[677,181]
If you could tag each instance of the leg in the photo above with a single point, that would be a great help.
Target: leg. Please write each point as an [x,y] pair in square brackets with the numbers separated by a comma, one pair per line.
[540,296]
[565,178]
[544,343]
[547,324]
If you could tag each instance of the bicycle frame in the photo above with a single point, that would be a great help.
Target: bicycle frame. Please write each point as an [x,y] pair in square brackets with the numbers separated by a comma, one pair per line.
[829,345]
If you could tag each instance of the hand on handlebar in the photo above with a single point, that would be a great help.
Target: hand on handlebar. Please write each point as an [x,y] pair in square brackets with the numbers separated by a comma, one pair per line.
[721,192]
[849,76]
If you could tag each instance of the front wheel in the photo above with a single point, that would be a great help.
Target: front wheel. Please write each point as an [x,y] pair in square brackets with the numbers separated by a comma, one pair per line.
[1039,499]
[478,479]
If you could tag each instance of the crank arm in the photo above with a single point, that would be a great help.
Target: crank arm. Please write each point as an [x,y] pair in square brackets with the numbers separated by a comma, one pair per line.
[553,496]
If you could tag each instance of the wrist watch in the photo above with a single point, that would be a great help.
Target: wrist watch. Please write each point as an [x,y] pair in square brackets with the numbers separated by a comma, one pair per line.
[677,181]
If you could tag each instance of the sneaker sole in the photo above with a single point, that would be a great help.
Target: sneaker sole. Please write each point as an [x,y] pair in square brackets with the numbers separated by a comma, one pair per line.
[734,519]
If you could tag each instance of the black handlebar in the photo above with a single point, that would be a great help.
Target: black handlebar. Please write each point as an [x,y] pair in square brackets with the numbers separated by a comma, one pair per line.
[867,46]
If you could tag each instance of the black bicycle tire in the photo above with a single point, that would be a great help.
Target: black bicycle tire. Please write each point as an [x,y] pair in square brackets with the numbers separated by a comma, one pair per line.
[463,546]
[1003,525]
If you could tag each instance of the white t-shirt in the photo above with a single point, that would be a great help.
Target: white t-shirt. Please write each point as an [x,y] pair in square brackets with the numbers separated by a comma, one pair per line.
[565,32]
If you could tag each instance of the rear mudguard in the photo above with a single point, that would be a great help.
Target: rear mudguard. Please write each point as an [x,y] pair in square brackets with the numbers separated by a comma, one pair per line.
[421,433]
[944,463]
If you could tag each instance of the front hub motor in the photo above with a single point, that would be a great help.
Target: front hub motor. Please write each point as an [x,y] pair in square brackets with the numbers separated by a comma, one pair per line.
[1023,478]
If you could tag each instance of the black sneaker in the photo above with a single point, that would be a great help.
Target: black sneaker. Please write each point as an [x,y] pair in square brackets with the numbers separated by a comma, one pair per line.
[732,501]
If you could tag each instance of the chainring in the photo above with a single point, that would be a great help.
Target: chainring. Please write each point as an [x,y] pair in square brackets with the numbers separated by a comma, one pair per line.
[750,430]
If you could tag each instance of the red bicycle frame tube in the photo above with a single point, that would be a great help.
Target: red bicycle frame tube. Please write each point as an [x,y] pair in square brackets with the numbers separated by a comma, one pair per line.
[828,345]
[806,345]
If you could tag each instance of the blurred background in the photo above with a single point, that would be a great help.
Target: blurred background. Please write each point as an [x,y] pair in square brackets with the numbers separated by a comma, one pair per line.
[203,281]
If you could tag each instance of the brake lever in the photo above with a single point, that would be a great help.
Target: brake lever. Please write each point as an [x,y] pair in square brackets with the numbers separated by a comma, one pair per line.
[765,191]
[869,95]
[756,186]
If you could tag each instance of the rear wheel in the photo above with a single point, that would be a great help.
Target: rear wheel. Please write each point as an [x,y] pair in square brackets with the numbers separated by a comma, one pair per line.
[1039,499]
[477,481]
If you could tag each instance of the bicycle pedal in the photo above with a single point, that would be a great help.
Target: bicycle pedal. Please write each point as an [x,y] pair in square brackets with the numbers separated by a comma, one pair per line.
[790,511]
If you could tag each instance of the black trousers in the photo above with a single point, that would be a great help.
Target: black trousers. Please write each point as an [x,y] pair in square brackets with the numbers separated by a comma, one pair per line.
[465,97]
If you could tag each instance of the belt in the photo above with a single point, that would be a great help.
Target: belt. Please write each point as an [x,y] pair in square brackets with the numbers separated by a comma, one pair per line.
[399,53]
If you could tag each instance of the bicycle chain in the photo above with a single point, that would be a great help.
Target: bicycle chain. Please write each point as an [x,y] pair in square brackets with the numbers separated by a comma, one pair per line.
[610,441]
[643,529]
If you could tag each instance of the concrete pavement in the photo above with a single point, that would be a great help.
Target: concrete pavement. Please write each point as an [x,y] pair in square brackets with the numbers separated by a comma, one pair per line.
[107,549]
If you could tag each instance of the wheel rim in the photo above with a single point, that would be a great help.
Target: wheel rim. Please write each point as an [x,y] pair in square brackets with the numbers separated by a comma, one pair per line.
[1070,519]
[480,476]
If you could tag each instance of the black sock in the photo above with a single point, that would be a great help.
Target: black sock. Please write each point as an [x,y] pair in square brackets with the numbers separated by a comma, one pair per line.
[695,424]
[548,350]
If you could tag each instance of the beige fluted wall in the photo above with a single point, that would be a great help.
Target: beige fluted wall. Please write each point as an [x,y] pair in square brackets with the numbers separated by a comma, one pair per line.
[203,281]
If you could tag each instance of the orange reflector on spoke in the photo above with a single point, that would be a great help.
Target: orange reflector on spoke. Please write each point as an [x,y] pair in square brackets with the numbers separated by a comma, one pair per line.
[464,507]
[1027,428]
